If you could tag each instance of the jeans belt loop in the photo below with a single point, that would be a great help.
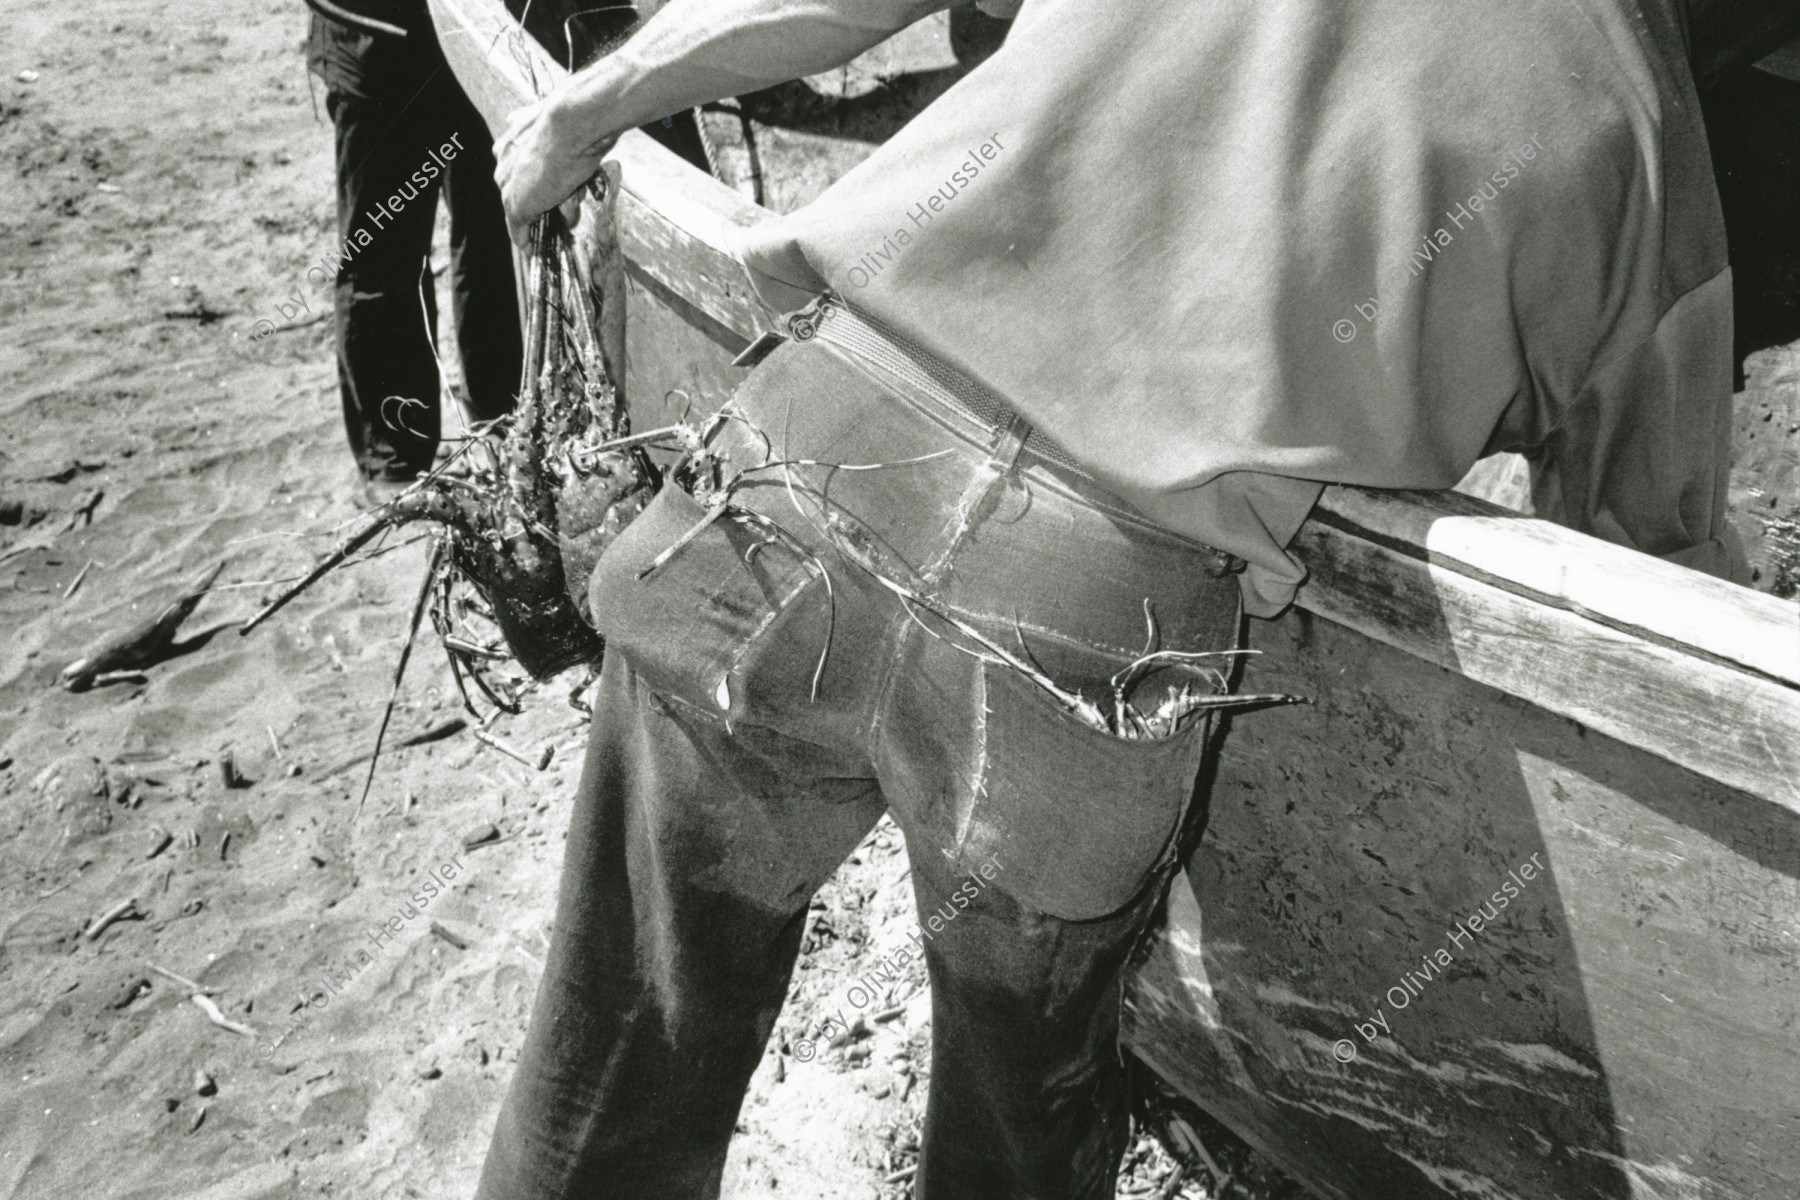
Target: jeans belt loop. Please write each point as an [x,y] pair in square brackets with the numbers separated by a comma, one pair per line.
[831,320]
[1011,443]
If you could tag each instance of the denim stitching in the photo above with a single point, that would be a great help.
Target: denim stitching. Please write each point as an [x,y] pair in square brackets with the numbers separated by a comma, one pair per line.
[978,785]
[813,575]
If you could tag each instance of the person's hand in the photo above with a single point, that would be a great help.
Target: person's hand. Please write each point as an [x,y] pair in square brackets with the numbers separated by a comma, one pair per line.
[541,161]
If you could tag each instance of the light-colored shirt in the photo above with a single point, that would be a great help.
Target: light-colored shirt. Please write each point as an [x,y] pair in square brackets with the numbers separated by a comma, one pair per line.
[1225,252]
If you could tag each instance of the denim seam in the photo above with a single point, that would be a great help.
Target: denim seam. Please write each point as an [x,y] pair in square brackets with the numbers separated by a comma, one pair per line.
[813,575]
[977,785]
[900,629]
[963,521]
[1043,631]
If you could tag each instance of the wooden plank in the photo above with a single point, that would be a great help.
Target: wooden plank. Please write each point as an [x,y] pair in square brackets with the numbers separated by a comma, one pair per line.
[1628,1028]
[680,235]
[497,64]
[1683,609]
[675,223]
[1732,725]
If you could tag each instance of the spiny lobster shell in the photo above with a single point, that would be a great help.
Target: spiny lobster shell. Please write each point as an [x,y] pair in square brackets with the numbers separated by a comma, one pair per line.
[536,542]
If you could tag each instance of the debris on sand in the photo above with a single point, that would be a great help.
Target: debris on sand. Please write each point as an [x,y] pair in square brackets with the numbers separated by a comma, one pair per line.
[229,774]
[124,910]
[481,835]
[488,739]
[142,646]
[85,509]
[193,988]
[129,991]
[219,1018]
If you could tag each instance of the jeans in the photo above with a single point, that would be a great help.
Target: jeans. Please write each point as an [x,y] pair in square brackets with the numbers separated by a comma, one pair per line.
[766,696]
[393,101]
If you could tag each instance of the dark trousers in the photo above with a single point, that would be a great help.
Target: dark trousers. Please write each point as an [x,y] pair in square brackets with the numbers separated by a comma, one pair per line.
[393,103]
[722,788]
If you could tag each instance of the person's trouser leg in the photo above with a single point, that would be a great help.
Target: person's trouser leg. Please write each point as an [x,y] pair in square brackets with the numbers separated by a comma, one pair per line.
[385,304]
[1028,1096]
[1040,845]
[701,831]
[489,341]
[405,132]
[1040,849]
[691,861]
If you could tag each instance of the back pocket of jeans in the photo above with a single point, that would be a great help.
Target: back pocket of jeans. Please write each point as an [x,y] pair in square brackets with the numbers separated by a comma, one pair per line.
[1077,819]
[694,627]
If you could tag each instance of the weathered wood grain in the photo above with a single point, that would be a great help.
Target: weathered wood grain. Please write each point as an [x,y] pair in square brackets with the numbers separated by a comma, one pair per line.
[1765,477]
[1608,584]
[1629,1026]
[1488,597]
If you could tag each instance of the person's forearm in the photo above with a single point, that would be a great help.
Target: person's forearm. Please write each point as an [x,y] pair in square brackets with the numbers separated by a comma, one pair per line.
[693,52]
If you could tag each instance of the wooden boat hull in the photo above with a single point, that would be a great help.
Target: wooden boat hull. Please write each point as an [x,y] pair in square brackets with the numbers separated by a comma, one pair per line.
[1627,1025]
[1500,705]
